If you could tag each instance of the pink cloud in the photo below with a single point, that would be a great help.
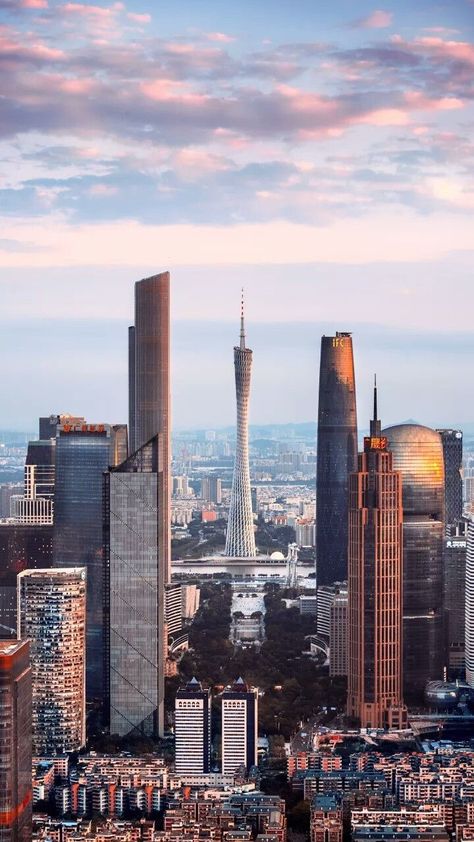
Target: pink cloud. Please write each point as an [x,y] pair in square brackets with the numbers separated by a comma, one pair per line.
[84,10]
[102,190]
[438,47]
[77,86]
[221,37]
[139,18]
[34,4]
[378,19]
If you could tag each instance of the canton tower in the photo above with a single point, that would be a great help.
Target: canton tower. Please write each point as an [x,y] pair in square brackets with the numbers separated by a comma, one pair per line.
[240,540]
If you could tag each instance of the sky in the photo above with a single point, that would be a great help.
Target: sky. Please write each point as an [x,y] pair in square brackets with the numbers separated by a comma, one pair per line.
[320,154]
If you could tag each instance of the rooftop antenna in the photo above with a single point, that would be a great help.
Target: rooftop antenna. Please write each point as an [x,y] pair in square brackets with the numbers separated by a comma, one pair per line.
[242,326]
[375,426]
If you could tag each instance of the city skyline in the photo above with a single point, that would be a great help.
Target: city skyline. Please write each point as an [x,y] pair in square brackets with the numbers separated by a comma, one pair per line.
[137,145]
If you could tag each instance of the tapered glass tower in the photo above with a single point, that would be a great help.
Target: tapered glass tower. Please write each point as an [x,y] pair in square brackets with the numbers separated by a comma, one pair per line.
[240,541]
[336,455]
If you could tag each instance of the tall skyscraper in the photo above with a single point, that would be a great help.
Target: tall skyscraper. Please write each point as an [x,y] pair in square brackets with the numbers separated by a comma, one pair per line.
[35,505]
[418,455]
[375,578]
[82,457]
[131,389]
[52,616]
[134,593]
[240,539]
[452,454]
[469,619]
[15,723]
[336,455]
[454,574]
[149,386]
[239,727]
[211,489]
[192,726]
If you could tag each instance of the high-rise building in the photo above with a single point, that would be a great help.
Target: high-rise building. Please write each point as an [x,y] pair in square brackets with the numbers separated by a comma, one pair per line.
[325,596]
[16,794]
[452,454]
[211,489]
[336,455]
[375,578]
[418,455]
[454,574]
[149,387]
[35,504]
[240,539]
[82,457]
[174,607]
[239,727]
[52,616]
[338,635]
[134,608]
[192,728]
[469,616]
[131,389]
[181,486]
[22,547]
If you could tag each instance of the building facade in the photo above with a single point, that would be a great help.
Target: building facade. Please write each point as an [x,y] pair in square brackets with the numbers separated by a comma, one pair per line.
[418,455]
[239,727]
[469,616]
[82,456]
[211,489]
[336,455]
[375,580]
[16,790]
[149,386]
[338,642]
[454,573]
[22,547]
[192,726]
[52,616]
[240,539]
[134,606]
[453,493]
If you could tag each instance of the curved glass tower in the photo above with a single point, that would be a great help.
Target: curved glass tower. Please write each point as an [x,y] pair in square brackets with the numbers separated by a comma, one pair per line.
[240,539]
[336,457]
[418,454]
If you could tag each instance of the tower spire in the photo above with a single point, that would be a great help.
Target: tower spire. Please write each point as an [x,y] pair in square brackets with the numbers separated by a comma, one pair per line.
[375,426]
[242,325]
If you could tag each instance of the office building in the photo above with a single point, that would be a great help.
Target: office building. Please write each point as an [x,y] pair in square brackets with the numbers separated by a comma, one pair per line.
[131,389]
[239,727]
[52,616]
[211,489]
[418,455]
[452,455]
[240,539]
[454,588]
[375,579]
[325,595]
[338,635]
[192,728]
[16,791]
[305,532]
[181,487]
[134,607]
[22,547]
[7,491]
[149,388]
[82,456]
[336,455]
[174,607]
[469,606]
[35,504]
[308,605]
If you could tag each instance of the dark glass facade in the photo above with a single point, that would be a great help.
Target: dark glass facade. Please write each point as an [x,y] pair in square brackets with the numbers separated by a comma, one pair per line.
[336,455]
[418,454]
[22,547]
[82,457]
[452,453]
[149,384]
[15,742]
[134,593]
[454,570]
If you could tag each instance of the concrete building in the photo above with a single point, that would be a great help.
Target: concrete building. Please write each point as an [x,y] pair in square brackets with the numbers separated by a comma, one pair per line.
[326,594]
[336,455]
[192,726]
[211,489]
[52,616]
[240,538]
[134,599]
[305,532]
[239,727]
[16,791]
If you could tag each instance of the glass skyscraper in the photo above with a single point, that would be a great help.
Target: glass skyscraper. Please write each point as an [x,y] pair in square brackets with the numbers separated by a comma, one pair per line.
[15,729]
[336,455]
[452,452]
[418,455]
[134,593]
[82,456]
